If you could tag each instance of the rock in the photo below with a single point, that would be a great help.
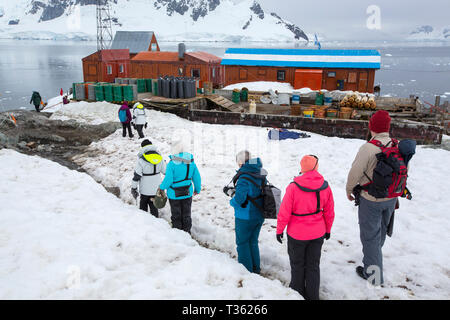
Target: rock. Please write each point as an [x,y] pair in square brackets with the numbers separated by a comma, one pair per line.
[56,138]
[32,144]
[22,144]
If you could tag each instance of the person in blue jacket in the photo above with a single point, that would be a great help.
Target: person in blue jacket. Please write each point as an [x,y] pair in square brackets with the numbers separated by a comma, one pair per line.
[248,219]
[181,171]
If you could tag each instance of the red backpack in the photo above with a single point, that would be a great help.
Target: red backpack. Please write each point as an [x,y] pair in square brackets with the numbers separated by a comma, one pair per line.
[390,173]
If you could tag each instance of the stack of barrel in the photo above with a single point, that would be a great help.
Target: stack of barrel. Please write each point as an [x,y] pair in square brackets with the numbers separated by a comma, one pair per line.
[177,87]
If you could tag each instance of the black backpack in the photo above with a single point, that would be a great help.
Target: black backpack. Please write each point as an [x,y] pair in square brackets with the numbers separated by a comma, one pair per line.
[317,191]
[270,195]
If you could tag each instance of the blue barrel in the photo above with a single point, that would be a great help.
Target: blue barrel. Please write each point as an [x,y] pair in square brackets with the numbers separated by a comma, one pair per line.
[173,89]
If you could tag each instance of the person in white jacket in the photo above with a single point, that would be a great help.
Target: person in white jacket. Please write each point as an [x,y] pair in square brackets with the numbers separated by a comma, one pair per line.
[139,118]
[147,176]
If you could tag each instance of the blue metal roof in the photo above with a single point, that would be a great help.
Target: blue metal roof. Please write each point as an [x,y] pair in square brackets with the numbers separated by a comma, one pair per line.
[303,58]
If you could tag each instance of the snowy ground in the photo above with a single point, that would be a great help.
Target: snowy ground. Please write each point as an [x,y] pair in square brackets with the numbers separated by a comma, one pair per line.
[416,259]
[62,236]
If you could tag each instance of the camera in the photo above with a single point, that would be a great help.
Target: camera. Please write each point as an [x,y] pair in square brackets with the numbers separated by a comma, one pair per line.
[229,191]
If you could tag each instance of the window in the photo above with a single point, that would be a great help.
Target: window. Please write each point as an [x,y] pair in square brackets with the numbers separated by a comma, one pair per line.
[331,74]
[351,77]
[154,47]
[180,71]
[109,69]
[281,75]
[213,72]
[121,68]
[196,73]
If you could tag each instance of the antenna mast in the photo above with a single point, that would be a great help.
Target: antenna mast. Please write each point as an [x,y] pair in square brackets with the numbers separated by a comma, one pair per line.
[104,28]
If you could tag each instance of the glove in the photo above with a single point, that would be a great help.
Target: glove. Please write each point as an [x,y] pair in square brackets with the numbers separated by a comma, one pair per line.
[327,236]
[280,238]
[145,125]
[134,193]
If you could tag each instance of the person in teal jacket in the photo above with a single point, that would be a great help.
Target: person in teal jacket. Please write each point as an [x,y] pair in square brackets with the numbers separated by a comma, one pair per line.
[248,219]
[181,171]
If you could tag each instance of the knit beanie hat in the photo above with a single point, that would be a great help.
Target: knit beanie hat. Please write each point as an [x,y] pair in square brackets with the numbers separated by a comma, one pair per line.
[380,122]
[146,142]
[309,163]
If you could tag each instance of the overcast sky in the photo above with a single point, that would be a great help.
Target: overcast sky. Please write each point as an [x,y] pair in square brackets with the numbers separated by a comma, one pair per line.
[346,19]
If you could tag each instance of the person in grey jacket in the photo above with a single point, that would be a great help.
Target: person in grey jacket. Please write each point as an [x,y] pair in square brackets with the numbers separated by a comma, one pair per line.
[139,118]
[147,175]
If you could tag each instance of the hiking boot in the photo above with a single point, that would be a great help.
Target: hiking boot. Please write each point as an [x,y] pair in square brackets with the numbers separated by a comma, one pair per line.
[361,273]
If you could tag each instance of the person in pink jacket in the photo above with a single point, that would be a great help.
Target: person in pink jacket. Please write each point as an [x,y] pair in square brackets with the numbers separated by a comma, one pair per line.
[307,210]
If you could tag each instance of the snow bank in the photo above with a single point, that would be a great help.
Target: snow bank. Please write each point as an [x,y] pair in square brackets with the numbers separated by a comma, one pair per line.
[416,259]
[62,236]
[86,112]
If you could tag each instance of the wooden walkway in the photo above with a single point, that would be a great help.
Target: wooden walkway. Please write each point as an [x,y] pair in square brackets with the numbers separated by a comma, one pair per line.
[225,103]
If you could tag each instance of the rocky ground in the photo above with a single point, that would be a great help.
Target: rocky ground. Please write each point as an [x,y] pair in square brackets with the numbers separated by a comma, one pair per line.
[35,134]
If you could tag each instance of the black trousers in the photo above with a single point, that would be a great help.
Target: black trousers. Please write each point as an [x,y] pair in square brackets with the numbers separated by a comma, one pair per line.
[126,126]
[181,214]
[304,257]
[146,201]
[38,108]
[140,128]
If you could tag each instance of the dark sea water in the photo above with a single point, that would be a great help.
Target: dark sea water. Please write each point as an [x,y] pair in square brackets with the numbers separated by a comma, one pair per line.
[422,69]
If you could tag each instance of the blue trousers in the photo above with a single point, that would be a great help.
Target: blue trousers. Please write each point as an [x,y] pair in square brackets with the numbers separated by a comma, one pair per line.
[247,233]
[373,221]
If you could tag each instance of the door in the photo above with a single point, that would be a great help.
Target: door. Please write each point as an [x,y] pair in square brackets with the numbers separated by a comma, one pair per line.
[362,84]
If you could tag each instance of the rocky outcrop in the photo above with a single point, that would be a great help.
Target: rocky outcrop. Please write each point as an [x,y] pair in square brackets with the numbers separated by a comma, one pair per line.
[298,33]
[34,133]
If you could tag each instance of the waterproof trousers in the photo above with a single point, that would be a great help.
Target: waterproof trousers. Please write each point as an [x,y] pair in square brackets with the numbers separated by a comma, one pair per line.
[247,234]
[304,257]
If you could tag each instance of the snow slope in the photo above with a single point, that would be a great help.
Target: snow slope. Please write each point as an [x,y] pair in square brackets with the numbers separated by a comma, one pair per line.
[416,259]
[62,236]
[171,20]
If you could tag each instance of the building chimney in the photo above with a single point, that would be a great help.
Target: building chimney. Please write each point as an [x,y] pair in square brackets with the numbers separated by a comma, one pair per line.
[181,50]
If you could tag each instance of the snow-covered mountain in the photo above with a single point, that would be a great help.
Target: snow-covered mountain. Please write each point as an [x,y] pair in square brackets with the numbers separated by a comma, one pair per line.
[209,20]
[428,32]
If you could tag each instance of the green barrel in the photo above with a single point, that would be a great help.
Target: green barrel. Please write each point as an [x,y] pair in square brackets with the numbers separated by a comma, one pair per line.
[236,96]
[108,90]
[141,85]
[148,85]
[117,93]
[319,99]
[73,91]
[127,92]
[244,95]
[99,93]
[155,90]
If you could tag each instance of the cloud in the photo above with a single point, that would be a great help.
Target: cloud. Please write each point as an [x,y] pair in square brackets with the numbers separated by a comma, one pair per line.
[346,19]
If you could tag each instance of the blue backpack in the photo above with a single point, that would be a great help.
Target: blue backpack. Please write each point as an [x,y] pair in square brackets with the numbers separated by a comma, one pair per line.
[123,116]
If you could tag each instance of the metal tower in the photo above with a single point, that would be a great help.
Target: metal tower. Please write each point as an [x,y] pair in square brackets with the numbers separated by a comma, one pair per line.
[104,28]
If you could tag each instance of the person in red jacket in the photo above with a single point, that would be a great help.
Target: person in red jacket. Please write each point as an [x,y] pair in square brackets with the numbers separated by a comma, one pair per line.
[307,210]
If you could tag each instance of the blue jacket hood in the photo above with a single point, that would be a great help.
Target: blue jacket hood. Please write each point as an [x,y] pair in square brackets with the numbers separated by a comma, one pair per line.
[185,157]
[254,166]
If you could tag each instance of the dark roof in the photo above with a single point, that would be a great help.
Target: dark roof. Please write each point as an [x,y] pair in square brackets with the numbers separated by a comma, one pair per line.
[135,41]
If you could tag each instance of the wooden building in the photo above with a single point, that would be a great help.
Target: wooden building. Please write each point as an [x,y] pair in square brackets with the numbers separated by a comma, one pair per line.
[200,65]
[316,69]
[106,65]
